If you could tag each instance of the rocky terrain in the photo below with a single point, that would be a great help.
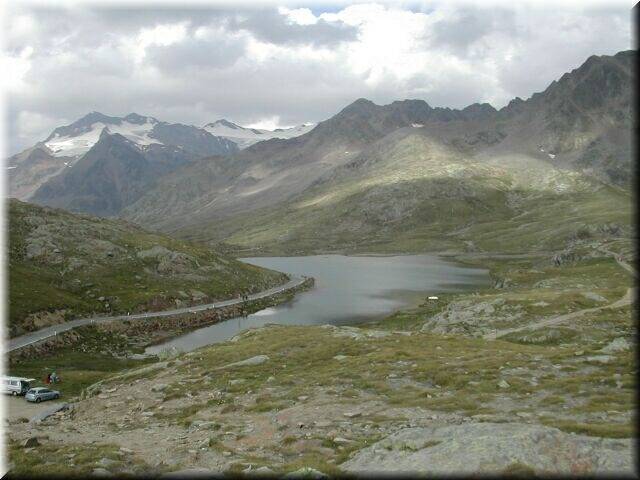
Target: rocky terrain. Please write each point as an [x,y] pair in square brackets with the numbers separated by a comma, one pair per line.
[63,266]
[405,394]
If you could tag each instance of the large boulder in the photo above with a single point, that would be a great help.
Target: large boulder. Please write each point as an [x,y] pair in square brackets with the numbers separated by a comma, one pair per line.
[490,448]
[168,261]
[257,360]
[619,344]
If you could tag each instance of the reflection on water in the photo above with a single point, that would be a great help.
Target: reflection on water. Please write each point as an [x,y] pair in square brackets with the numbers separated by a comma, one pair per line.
[347,290]
[266,311]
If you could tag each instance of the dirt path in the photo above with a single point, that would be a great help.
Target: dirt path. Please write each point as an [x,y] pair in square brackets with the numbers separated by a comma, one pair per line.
[621,262]
[627,299]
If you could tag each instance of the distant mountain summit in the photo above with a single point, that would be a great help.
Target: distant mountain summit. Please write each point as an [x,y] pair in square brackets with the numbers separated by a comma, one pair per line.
[66,145]
[77,138]
[245,137]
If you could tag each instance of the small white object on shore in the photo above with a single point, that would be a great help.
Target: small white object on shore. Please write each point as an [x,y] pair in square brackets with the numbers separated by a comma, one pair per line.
[433,298]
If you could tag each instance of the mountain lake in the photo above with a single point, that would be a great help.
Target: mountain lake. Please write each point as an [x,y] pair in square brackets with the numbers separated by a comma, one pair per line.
[348,290]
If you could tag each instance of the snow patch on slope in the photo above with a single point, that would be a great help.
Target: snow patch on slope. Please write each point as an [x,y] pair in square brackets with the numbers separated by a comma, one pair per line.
[73,146]
[245,137]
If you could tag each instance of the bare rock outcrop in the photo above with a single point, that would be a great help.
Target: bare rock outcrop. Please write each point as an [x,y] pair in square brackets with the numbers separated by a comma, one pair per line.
[477,448]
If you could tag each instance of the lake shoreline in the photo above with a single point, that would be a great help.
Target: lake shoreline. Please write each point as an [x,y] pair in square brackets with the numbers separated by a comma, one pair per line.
[349,290]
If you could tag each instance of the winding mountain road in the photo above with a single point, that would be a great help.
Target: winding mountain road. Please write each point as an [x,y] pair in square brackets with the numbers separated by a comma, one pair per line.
[48,332]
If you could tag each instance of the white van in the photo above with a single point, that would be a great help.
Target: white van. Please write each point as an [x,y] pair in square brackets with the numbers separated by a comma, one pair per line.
[15,385]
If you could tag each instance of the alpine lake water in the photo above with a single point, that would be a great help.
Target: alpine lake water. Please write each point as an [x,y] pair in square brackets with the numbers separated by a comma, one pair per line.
[348,290]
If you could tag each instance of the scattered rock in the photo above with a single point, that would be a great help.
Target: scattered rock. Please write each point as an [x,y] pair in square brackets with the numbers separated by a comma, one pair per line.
[594,296]
[30,442]
[257,360]
[106,462]
[541,303]
[503,384]
[341,440]
[206,443]
[306,472]
[600,358]
[189,473]
[352,414]
[619,344]
[159,387]
[262,471]
[102,472]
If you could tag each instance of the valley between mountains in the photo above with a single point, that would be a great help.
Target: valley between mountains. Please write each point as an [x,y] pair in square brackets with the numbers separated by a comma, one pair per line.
[532,374]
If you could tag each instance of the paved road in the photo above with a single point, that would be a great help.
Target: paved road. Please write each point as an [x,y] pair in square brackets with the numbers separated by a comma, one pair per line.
[34,337]
[18,407]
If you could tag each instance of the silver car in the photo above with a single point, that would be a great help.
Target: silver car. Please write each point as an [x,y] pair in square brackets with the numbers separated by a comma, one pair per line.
[41,393]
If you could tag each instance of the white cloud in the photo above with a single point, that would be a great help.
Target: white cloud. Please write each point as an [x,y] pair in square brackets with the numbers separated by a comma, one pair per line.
[270,123]
[301,16]
[36,125]
[160,35]
[18,66]
[273,66]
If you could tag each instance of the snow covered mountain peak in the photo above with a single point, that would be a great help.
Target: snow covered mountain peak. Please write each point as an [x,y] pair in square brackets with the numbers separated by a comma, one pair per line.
[77,138]
[245,137]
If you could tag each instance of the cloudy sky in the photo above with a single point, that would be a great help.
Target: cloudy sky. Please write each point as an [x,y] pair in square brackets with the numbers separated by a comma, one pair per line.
[269,65]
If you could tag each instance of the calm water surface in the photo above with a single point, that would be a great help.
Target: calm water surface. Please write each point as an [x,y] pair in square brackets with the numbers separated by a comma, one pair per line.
[347,290]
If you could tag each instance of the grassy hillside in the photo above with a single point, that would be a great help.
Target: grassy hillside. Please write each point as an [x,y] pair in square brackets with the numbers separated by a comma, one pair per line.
[416,193]
[63,266]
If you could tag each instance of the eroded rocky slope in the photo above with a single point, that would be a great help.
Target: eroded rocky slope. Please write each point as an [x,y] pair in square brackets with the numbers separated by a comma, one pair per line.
[63,266]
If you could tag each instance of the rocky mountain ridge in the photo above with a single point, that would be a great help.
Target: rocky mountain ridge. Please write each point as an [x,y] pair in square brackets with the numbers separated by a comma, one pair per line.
[401,166]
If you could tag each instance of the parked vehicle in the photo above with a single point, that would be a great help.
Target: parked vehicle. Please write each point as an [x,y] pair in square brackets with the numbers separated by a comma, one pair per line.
[41,393]
[15,385]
